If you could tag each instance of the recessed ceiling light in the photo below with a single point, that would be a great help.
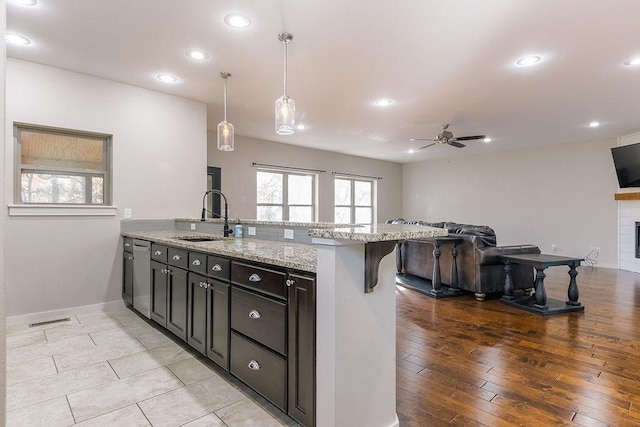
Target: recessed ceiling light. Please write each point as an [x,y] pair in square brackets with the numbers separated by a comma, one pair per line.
[528,60]
[594,124]
[633,61]
[24,2]
[385,102]
[197,55]
[302,126]
[236,20]
[411,151]
[16,39]
[487,139]
[167,78]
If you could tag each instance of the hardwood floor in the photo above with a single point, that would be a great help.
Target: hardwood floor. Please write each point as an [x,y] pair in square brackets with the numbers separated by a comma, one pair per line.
[471,363]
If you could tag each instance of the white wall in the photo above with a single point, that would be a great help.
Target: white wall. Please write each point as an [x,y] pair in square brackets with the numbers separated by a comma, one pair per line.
[3,353]
[559,195]
[159,171]
[239,177]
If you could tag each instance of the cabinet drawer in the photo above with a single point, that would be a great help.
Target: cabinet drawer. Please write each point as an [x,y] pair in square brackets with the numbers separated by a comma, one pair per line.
[127,244]
[260,318]
[178,258]
[262,370]
[218,267]
[159,253]
[268,281]
[197,262]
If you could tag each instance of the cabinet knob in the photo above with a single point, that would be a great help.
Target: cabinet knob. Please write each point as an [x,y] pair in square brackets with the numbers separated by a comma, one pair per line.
[176,257]
[254,365]
[290,282]
[196,262]
[126,245]
[157,253]
[216,268]
[254,314]
[130,258]
[254,278]
[168,270]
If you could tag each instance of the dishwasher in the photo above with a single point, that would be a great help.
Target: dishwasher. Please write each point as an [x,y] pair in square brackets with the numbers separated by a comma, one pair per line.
[142,277]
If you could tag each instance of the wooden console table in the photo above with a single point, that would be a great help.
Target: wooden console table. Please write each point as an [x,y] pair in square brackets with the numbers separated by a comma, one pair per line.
[539,303]
[435,288]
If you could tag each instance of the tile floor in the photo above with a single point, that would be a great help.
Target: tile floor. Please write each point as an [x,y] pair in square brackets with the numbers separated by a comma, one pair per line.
[115,369]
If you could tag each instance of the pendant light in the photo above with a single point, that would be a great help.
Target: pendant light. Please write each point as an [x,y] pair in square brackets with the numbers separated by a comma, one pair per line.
[225,129]
[285,107]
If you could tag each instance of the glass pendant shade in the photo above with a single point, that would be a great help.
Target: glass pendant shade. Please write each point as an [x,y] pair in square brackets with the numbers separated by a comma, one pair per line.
[225,129]
[285,116]
[225,136]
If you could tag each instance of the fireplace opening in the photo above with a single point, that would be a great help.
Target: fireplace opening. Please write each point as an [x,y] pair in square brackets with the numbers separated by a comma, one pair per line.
[637,239]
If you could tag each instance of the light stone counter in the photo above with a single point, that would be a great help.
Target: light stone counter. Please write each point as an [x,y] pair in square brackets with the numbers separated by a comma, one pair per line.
[291,255]
[378,232]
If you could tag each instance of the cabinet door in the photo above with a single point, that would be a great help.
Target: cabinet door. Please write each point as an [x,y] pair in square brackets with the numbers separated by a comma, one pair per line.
[218,323]
[177,302]
[159,293]
[197,312]
[302,349]
[127,278]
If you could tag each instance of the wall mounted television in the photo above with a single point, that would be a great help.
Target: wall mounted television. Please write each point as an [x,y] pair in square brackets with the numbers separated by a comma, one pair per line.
[626,160]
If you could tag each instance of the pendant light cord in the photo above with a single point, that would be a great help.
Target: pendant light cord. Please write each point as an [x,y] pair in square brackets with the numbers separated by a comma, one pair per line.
[225,99]
[285,67]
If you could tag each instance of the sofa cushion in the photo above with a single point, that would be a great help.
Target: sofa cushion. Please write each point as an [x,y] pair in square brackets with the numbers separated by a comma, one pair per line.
[485,233]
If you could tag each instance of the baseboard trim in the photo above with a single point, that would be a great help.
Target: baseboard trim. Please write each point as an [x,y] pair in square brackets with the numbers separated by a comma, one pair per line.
[65,312]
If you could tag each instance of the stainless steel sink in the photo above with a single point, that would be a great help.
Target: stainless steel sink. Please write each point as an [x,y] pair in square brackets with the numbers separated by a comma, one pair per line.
[199,238]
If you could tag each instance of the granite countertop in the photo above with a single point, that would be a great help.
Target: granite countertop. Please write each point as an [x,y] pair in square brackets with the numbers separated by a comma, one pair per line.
[261,222]
[290,255]
[378,232]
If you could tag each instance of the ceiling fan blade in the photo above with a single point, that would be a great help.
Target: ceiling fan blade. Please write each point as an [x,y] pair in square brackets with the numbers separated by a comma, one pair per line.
[422,139]
[469,138]
[456,144]
[427,146]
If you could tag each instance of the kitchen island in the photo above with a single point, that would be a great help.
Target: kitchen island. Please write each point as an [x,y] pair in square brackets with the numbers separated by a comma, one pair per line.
[354,323]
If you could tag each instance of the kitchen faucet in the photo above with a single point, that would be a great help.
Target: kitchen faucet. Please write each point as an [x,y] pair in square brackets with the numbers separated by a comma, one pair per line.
[226,230]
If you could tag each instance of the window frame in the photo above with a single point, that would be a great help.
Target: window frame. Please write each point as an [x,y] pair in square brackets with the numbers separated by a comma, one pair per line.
[285,193]
[352,206]
[87,174]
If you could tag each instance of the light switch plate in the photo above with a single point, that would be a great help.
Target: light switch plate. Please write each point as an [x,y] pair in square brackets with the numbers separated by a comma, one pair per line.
[288,233]
[127,213]
[252,231]
[193,226]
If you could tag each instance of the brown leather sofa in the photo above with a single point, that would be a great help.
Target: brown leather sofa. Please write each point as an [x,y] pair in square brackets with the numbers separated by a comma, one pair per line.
[480,268]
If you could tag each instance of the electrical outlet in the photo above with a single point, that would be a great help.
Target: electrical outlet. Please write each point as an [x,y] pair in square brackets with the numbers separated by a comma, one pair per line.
[288,233]
[193,226]
[127,213]
[251,231]
[597,250]
[554,247]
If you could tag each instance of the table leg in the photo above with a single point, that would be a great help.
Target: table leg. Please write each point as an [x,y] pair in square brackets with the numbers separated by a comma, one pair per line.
[436,282]
[508,282]
[573,286]
[541,293]
[454,266]
[399,257]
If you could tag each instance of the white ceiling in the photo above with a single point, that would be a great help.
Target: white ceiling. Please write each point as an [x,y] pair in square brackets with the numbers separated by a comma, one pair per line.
[440,61]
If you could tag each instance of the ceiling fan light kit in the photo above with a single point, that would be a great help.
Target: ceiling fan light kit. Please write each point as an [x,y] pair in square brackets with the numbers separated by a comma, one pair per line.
[285,107]
[446,137]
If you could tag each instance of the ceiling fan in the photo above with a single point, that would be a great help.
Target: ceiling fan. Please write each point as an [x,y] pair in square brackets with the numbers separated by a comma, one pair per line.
[446,137]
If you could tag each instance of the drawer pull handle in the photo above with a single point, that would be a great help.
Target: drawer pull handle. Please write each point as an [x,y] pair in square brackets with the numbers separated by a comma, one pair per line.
[254,365]
[176,257]
[130,258]
[254,278]
[216,268]
[196,262]
[126,245]
[254,314]
[157,253]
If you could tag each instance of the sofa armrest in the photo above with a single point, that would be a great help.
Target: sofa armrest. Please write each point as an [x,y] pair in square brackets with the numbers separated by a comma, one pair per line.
[492,255]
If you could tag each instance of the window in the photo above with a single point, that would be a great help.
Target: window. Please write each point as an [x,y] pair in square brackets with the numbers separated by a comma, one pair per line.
[354,201]
[285,196]
[62,167]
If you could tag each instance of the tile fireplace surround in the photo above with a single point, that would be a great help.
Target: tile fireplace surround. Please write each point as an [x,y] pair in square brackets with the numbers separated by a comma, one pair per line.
[628,216]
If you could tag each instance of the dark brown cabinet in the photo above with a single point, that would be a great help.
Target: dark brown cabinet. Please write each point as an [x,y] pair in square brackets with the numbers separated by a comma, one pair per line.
[302,348]
[127,271]
[255,321]
[208,322]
